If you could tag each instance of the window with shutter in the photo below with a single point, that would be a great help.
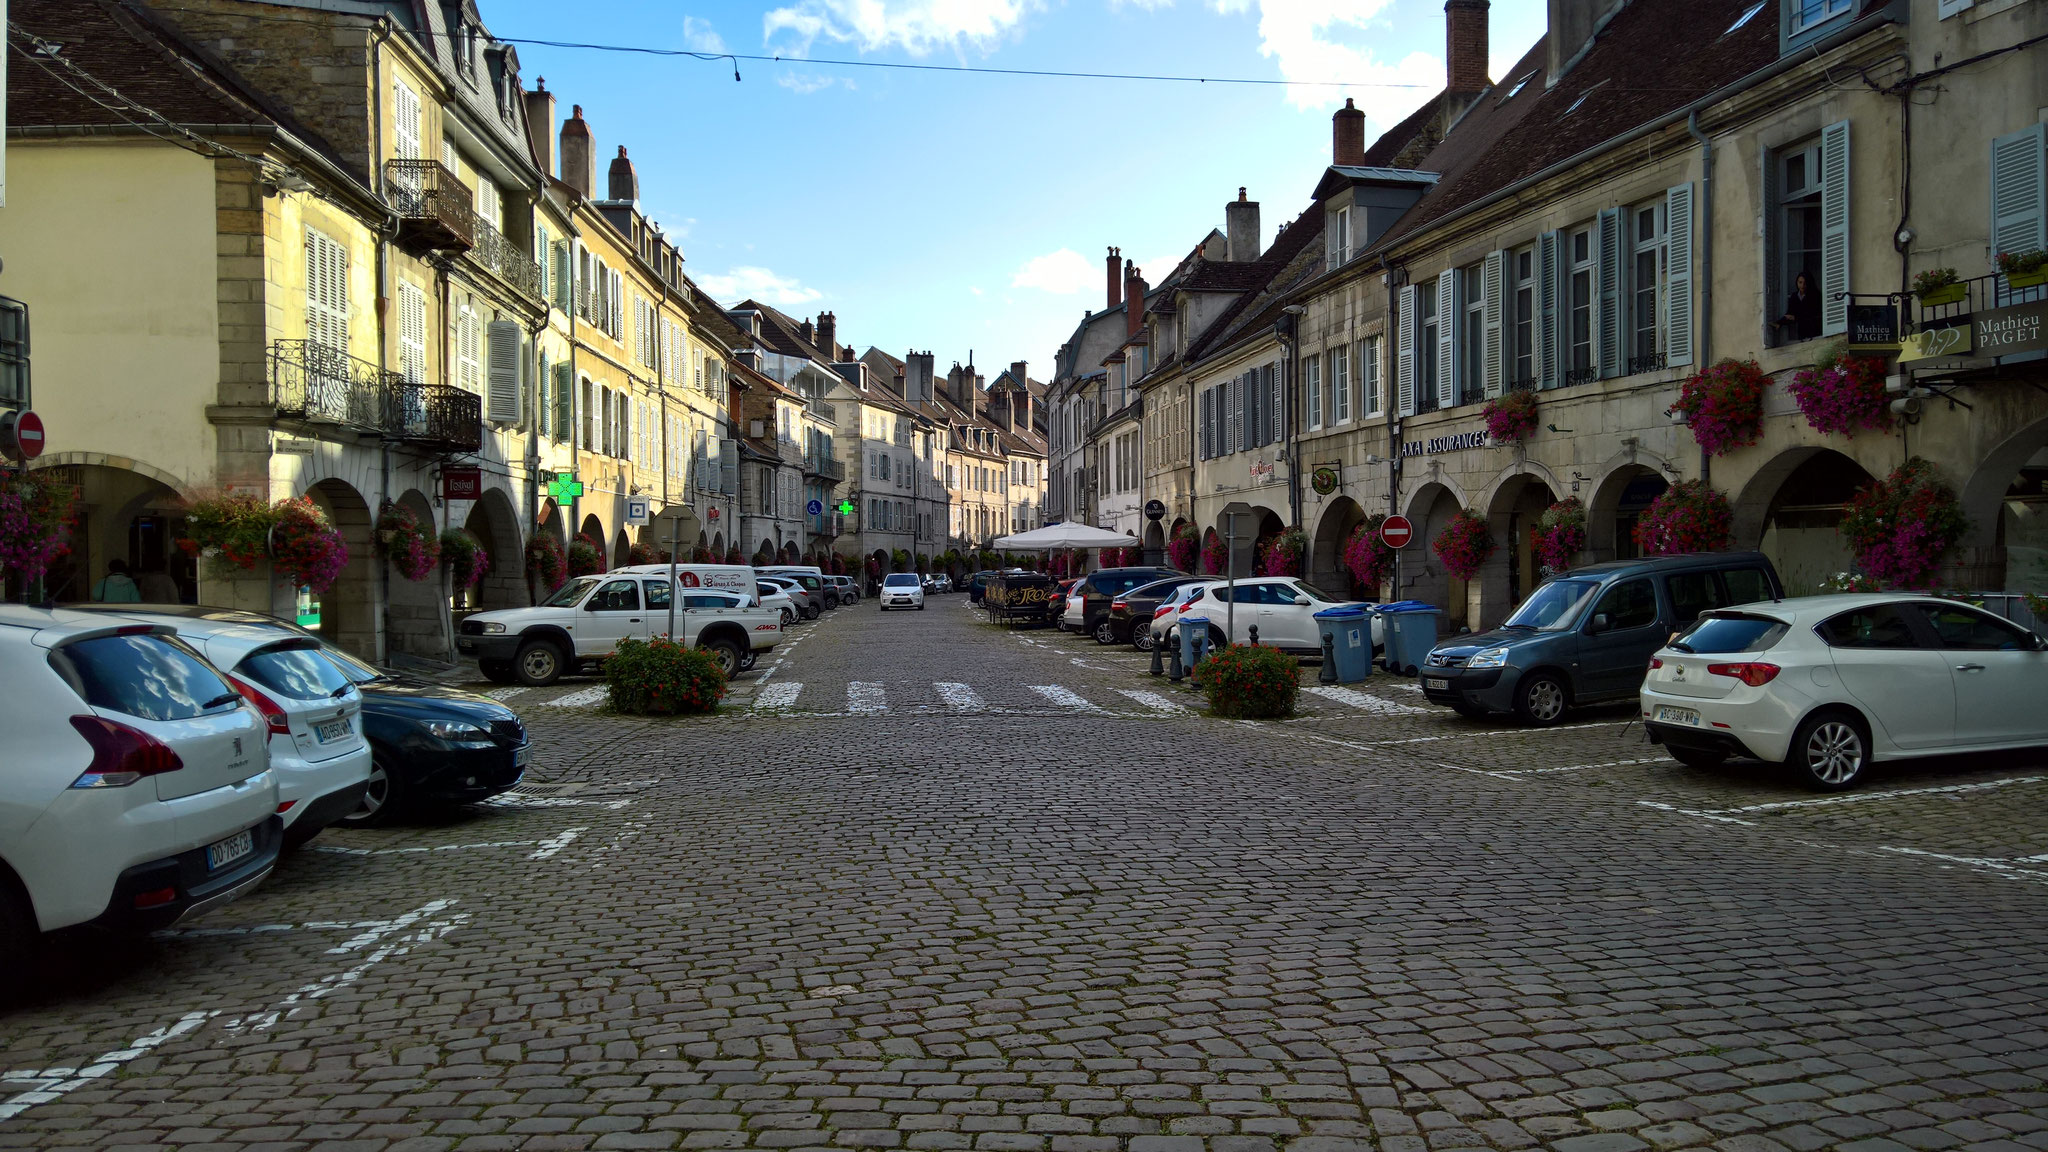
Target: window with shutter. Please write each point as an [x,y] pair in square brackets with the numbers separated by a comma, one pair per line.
[412,332]
[405,121]
[587,408]
[1609,259]
[508,357]
[326,292]
[1340,386]
[1404,349]
[1677,306]
[1312,390]
[1448,312]
[1370,402]
[1276,406]
[487,203]
[1549,371]
[1834,228]
[2019,192]
[565,400]
[1493,307]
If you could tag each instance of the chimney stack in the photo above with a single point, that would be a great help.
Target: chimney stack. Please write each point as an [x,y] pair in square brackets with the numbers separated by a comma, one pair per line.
[828,334]
[540,125]
[579,159]
[1347,129]
[1134,300]
[1572,23]
[1241,229]
[624,181]
[804,330]
[1465,45]
[1116,283]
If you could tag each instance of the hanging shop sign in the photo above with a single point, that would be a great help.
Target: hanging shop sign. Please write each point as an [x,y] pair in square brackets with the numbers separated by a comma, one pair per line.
[1324,480]
[1944,340]
[462,482]
[1155,509]
[2011,331]
[1873,328]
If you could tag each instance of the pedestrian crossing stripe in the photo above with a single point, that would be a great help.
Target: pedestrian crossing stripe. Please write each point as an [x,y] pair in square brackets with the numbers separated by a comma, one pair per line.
[959,697]
[871,698]
[1064,697]
[584,699]
[866,698]
[779,695]
[1152,700]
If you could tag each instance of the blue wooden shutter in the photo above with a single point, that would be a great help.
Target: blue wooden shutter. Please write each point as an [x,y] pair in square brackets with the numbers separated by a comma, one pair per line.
[1493,297]
[1450,311]
[1404,350]
[1608,263]
[1547,373]
[1834,228]
[1677,317]
[2017,192]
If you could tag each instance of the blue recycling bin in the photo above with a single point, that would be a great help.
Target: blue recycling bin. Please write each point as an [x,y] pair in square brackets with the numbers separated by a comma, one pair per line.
[1409,631]
[1350,632]
[1194,641]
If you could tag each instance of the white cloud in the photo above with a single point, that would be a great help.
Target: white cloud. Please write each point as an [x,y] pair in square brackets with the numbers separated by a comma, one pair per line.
[916,26]
[700,36]
[974,290]
[1062,273]
[805,83]
[749,282]
[1324,40]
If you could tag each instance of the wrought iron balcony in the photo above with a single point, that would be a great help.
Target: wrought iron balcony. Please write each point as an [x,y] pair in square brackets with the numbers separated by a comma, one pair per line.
[434,209]
[503,259]
[1654,362]
[1948,305]
[825,468]
[436,417]
[827,524]
[310,381]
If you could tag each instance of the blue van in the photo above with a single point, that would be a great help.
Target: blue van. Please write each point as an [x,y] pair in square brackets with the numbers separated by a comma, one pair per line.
[1587,636]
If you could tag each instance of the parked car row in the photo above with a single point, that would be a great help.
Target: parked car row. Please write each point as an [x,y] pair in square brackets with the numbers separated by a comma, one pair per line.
[160,757]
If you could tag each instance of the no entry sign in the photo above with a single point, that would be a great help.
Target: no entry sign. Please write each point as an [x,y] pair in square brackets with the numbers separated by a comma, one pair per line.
[1396,532]
[21,435]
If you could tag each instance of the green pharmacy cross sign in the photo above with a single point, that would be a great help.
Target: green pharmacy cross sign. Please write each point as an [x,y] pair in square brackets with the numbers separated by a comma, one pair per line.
[565,487]
[846,507]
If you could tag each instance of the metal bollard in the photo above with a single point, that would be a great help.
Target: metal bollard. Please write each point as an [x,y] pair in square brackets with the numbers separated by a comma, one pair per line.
[1329,673]
[1253,632]
[1157,658]
[1174,672]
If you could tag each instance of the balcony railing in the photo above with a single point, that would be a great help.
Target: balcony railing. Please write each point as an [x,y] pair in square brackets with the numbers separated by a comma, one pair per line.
[504,260]
[436,417]
[824,467]
[434,209]
[1651,363]
[321,385]
[1962,299]
[827,524]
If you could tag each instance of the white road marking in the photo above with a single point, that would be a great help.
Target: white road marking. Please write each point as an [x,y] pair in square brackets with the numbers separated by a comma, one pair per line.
[1714,816]
[866,698]
[383,928]
[1583,767]
[514,800]
[1152,700]
[1498,732]
[556,843]
[959,697]
[51,1084]
[422,849]
[401,941]
[1063,697]
[1860,797]
[583,699]
[507,693]
[2003,867]
[1363,701]
[781,695]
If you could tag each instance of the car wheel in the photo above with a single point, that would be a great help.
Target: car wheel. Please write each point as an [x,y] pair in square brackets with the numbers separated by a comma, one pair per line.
[1105,631]
[788,617]
[748,661]
[381,798]
[1217,640]
[1830,751]
[1469,711]
[1541,699]
[726,653]
[539,663]
[1143,640]
[1697,757]
[812,611]
[496,671]
[19,940]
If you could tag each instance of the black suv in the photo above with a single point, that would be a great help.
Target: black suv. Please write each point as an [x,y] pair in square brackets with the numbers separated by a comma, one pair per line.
[1097,589]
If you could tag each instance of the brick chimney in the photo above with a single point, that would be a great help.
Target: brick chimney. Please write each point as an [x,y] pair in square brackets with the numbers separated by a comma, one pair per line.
[579,157]
[803,329]
[1134,300]
[1241,229]
[828,334]
[623,180]
[1116,283]
[1347,130]
[1465,45]
[540,125]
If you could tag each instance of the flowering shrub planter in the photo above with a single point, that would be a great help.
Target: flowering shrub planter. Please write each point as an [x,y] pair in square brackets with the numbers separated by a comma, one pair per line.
[2024,269]
[586,556]
[1844,395]
[1183,549]
[35,519]
[464,557]
[1689,516]
[407,543]
[1724,405]
[1561,534]
[643,553]
[1464,544]
[733,556]
[1215,555]
[1511,417]
[2038,605]
[660,677]
[546,566]
[1250,682]
[838,564]
[1284,553]
[1110,557]
[1367,556]
[1904,526]
[304,547]
[230,531]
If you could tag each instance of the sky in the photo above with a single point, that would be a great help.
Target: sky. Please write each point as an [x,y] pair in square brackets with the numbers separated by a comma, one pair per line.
[968,215]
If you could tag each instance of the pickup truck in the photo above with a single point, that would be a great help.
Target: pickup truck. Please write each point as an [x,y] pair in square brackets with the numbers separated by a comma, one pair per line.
[586,618]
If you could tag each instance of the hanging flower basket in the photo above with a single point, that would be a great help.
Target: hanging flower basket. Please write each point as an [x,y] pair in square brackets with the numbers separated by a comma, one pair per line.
[1367,556]
[35,520]
[305,549]
[1689,516]
[1464,544]
[1904,526]
[1183,549]
[231,531]
[1215,555]
[1561,534]
[2024,269]
[1935,286]
[1284,553]
[406,543]
[464,557]
[643,553]
[1844,394]
[586,556]
[545,563]
[1511,417]
[732,555]
[1724,405]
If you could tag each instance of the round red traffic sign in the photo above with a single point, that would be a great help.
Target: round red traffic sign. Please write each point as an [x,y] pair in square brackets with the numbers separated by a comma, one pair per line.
[21,435]
[1396,532]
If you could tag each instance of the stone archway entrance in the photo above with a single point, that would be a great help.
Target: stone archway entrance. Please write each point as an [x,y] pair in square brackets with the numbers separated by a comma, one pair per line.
[127,516]
[493,523]
[1802,515]
[1620,500]
[416,614]
[1326,564]
[1422,574]
[347,612]
[1514,513]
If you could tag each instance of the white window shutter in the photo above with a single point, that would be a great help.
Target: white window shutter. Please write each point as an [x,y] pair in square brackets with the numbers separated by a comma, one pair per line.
[1450,309]
[1492,275]
[1834,228]
[412,332]
[1678,280]
[405,128]
[1607,266]
[2019,201]
[1404,349]
[1548,374]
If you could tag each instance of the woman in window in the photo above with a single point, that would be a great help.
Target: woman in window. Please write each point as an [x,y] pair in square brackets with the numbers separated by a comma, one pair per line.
[1802,311]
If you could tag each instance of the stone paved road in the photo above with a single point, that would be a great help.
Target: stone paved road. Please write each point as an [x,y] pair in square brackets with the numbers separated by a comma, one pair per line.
[927,884]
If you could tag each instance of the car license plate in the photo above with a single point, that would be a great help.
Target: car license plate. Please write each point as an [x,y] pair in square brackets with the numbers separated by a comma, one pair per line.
[229,850]
[333,730]
[1666,714]
[465,645]
[519,757]
[1439,685]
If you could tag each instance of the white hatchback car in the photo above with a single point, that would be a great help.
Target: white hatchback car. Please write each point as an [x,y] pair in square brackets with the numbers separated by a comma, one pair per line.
[902,590]
[1827,684]
[1283,608]
[137,789]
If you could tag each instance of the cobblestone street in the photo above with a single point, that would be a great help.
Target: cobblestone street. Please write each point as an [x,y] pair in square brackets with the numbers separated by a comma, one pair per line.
[925,883]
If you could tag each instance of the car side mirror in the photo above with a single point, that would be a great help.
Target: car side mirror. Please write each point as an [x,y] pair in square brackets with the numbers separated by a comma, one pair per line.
[1601,623]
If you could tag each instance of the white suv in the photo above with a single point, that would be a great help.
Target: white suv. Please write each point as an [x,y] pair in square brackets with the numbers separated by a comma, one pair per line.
[1283,608]
[137,789]
[902,590]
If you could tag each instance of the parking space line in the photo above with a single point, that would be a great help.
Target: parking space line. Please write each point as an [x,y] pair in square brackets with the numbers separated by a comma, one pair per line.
[959,697]
[583,699]
[1861,797]
[1584,767]
[556,843]
[782,695]
[394,939]
[1714,816]
[1364,701]
[1991,863]
[866,698]
[54,1083]
[421,849]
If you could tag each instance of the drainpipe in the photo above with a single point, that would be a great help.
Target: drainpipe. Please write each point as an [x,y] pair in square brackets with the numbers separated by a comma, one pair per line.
[382,33]
[1703,284]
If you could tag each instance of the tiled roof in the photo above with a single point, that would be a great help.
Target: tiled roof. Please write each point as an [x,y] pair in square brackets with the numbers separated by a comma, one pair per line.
[1225,276]
[782,333]
[1283,264]
[1401,145]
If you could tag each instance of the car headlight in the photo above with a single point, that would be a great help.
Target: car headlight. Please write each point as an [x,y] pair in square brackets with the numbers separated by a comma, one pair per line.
[460,731]
[492,626]
[1489,658]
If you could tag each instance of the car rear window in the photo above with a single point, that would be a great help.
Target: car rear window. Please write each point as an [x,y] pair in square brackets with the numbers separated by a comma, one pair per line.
[295,669]
[149,676]
[1719,634]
